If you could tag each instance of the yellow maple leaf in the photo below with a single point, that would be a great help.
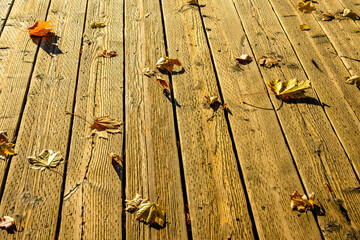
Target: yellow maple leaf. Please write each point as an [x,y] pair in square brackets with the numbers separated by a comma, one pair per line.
[306,7]
[40,28]
[150,213]
[301,202]
[166,63]
[290,89]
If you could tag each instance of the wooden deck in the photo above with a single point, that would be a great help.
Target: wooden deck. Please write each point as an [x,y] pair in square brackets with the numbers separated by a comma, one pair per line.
[225,178]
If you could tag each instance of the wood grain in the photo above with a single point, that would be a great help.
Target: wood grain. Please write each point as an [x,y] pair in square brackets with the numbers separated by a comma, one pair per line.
[218,208]
[152,161]
[317,151]
[5,7]
[92,206]
[33,196]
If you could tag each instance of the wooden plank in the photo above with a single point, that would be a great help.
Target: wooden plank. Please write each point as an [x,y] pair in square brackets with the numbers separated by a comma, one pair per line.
[92,207]
[33,196]
[217,204]
[5,8]
[16,63]
[315,147]
[268,169]
[152,161]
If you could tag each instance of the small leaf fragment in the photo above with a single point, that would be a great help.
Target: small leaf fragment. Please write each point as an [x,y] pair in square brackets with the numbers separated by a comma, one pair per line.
[244,59]
[193,2]
[304,27]
[104,125]
[327,16]
[269,62]
[149,72]
[306,7]
[6,148]
[163,83]
[301,202]
[7,223]
[46,159]
[290,89]
[133,205]
[166,63]
[108,54]
[350,14]
[40,28]
[97,24]
[354,80]
[116,158]
[211,100]
[150,213]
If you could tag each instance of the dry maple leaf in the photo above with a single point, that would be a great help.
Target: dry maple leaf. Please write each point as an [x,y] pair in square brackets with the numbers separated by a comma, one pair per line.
[150,213]
[327,16]
[306,7]
[116,158]
[133,205]
[193,2]
[166,63]
[7,223]
[40,28]
[46,159]
[244,59]
[104,125]
[290,89]
[163,83]
[108,54]
[97,24]
[354,80]
[269,62]
[304,27]
[350,14]
[301,202]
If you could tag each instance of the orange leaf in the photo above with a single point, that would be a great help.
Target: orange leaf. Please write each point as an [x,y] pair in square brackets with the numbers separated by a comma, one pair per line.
[163,83]
[40,28]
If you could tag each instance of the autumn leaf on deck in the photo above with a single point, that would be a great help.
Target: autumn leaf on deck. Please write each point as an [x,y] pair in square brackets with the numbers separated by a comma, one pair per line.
[163,83]
[354,80]
[150,213]
[166,63]
[269,62]
[7,223]
[108,54]
[244,59]
[97,24]
[6,148]
[149,72]
[306,7]
[104,125]
[40,28]
[211,100]
[116,158]
[133,205]
[327,16]
[301,202]
[193,2]
[46,159]
[304,27]
[350,14]
[290,89]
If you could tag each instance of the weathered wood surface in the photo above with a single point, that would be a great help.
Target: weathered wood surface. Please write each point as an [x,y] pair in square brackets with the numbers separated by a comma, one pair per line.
[92,201]
[234,170]
[152,160]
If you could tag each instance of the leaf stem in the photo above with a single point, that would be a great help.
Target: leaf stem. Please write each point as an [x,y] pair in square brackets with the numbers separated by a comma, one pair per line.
[67,112]
[268,93]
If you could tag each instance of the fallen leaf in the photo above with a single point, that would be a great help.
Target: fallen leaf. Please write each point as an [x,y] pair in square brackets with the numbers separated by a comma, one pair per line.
[3,137]
[354,80]
[301,202]
[166,63]
[269,62]
[133,205]
[46,159]
[244,59]
[97,24]
[149,72]
[150,213]
[108,54]
[40,28]
[328,16]
[306,7]
[211,100]
[116,158]
[6,148]
[104,125]
[350,14]
[163,83]
[290,89]
[304,27]
[7,223]
[193,2]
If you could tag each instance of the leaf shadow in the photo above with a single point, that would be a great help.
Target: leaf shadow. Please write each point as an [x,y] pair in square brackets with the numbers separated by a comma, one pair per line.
[178,72]
[119,169]
[171,98]
[48,43]
[307,100]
